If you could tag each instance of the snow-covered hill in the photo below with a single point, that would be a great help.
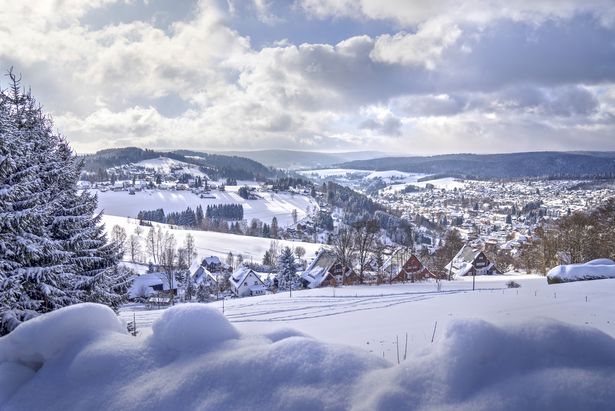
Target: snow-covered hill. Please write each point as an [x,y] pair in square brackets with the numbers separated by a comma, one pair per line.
[212,243]
[280,205]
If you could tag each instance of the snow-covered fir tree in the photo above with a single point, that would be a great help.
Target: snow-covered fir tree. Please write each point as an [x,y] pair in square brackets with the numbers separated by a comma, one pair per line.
[51,244]
[287,270]
[202,293]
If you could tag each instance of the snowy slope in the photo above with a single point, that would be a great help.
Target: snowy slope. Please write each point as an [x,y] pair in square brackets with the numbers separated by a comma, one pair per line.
[194,359]
[166,165]
[211,243]
[279,205]
[369,317]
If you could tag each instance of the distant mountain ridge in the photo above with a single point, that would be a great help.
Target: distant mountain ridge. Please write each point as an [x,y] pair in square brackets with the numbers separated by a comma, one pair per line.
[547,164]
[296,159]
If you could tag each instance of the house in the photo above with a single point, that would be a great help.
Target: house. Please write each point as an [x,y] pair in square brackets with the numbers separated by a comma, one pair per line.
[213,264]
[413,270]
[469,261]
[204,276]
[325,271]
[245,282]
[146,285]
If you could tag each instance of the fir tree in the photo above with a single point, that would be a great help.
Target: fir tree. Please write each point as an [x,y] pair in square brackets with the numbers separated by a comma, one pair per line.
[53,249]
[287,270]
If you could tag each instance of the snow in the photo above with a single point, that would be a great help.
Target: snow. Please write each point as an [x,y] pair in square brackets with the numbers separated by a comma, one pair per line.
[333,172]
[593,270]
[192,327]
[120,203]
[369,317]
[209,243]
[195,359]
[166,165]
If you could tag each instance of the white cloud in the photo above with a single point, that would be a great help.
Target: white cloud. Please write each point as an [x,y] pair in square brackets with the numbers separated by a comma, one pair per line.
[421,48]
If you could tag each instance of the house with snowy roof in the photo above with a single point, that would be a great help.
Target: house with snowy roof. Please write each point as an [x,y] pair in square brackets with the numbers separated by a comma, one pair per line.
[412,270]
[325,271]
[245,282]
[469,261]
[213,264]
[203,276]
[148,284]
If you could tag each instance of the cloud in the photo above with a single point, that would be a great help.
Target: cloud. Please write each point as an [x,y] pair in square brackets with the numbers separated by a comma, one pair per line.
[414,13]
[422,48]
[433,76]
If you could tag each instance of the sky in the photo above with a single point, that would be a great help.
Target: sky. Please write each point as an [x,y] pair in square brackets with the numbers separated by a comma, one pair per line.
[396,76]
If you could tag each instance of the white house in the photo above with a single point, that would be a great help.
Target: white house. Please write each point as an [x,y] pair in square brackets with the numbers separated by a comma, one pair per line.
[145,285]
[244,282]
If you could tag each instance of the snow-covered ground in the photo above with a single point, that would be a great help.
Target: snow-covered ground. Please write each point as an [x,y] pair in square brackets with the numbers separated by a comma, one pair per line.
[333,172]
[212,243]
[281,205]
[370,317]
[395,180]
[540,348]
[166,165]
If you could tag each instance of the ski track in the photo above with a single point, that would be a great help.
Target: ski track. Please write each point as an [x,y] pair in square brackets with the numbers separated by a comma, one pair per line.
[303,307]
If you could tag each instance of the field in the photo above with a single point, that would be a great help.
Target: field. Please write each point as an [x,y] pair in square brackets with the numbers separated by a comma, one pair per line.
[271,204]
[371,317]
[395,180]
[212,243]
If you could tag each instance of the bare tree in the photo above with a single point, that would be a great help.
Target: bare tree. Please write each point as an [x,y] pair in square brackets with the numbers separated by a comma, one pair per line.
[169,260]
[190,249]
[134,247]
[118,236]
[343,247]
[364,235]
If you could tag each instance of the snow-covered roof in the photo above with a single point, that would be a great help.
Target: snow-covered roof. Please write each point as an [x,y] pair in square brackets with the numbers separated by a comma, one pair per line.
[240,274]
[144,283]
[316,272]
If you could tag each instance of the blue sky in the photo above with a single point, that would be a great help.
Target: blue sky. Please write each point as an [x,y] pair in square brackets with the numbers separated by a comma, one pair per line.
[420,77]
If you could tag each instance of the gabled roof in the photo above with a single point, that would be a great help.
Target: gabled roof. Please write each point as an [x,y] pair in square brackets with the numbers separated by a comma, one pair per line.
[203,275]
[317,271]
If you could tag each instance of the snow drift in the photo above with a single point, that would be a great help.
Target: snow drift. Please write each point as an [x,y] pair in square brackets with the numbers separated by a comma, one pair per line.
[81,358]
[600,269]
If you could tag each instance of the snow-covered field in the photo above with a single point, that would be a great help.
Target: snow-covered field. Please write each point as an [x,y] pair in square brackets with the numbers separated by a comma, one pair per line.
[395,180]
[165,165]
[370,317]
[538,347]
[333,172]
[212,243]
[281,205]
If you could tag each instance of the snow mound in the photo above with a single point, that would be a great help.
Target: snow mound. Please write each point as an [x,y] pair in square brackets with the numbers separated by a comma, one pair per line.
[32,344]
[541,365]
[188,327]
[599,269]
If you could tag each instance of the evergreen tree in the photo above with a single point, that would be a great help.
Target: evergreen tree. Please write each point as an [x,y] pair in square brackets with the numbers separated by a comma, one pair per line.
[53,249]
[274,227]
[202,293]
[32,273]
[189,288]
[287,270]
